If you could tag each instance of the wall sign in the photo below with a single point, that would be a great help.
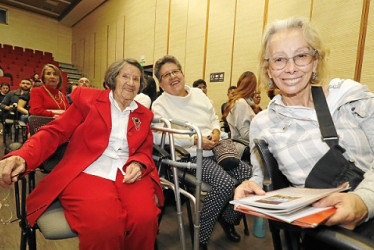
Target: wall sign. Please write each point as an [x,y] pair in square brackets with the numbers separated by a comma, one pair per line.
[217,77]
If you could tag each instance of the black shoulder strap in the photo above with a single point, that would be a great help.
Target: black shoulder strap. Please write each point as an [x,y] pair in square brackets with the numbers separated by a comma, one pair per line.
[326,125]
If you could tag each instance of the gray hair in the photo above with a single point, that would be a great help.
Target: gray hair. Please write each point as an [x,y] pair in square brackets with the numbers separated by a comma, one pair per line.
[114,69]
[311,36]
[163,60]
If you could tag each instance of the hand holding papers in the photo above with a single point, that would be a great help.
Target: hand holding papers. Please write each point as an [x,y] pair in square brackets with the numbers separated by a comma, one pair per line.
[290,204]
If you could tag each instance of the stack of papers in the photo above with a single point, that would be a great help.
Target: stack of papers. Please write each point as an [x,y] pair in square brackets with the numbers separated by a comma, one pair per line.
[292,205]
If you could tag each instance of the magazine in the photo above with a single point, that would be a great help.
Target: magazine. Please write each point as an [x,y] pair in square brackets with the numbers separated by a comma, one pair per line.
[289,204]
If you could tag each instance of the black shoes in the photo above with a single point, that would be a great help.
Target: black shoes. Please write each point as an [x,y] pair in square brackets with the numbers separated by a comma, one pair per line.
[203,246]
[229,230]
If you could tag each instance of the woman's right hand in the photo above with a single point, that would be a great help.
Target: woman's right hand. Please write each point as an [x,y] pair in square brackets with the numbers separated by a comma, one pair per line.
[247,188]
[12,166]
[208,143]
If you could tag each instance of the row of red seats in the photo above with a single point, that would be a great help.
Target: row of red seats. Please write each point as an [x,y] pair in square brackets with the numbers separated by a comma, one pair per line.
[20,63]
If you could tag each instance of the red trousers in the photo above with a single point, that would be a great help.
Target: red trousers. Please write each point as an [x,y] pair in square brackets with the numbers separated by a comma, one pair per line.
[111,215]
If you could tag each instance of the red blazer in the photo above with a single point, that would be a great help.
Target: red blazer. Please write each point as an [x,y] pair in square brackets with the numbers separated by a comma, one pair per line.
[87,123]
[40,101]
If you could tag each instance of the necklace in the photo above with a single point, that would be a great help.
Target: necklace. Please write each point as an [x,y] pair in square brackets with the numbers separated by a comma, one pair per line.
[59,98]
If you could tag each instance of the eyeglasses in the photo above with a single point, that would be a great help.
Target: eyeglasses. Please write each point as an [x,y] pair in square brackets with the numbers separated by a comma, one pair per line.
[133,77]
[6,214]
[302,59]
[168,75]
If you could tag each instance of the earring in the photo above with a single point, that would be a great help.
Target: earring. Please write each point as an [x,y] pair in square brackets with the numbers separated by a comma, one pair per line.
[270,83]
[314,76]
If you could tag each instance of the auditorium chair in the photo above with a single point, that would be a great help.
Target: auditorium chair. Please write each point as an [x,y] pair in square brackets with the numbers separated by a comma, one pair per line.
[290,236]
[52,223]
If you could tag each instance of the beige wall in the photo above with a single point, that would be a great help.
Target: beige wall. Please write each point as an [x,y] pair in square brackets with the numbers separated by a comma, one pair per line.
[205,35]
[33,31]
[214,36]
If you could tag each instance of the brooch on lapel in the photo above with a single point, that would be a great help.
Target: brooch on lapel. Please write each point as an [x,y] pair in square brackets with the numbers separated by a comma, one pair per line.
[137,123]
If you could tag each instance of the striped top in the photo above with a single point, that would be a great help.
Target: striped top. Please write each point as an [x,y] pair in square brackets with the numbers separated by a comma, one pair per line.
[294,137]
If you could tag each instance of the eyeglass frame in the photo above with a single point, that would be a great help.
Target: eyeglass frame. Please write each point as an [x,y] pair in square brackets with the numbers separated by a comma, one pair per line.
[312,52]
[4,204]
[174,72]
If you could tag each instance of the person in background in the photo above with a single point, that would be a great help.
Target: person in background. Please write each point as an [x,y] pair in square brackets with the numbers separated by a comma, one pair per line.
[293,59]
[238,111]
[35,79]
[256,100]
[151,87]
[4,89]
[180,102]
[69,90]
[48,100]
[225,125]
[200,84]
[23,105]
[11,99]
[230,91]
[84,82]
[107,181]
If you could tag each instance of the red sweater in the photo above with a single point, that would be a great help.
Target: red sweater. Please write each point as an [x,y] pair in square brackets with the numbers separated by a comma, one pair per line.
[41,101]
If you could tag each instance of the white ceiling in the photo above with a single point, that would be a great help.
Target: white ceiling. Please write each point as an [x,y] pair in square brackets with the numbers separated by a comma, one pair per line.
[68,12]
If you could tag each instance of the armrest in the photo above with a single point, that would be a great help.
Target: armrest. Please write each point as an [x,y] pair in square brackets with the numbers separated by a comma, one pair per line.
[241,141]
[340,238]
[183,154]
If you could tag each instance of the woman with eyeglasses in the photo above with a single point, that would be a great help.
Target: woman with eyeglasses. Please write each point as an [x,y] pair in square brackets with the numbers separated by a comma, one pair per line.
[293,59]
[180,102]
[107,181]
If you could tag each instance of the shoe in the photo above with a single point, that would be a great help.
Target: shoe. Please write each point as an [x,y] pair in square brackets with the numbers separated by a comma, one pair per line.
[229,230]
[203,246]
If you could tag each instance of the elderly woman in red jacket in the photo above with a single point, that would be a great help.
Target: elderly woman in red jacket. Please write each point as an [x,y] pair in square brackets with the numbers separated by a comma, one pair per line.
[106,181]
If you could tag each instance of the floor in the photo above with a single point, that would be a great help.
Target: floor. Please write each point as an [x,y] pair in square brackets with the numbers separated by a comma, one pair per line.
[168,237]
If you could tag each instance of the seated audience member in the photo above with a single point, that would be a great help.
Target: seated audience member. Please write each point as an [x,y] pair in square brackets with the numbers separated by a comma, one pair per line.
[256,102]
[200,84]
[272,91]
[180,102]
[143,99]
[293,59]
[84,82]
[149,93]
[225,125]
[35,79]
[23,105]
[150,88]
[11,99]
[4,89]
[230,91]
[69,90]
[48,100]
[107,180]
[238,111]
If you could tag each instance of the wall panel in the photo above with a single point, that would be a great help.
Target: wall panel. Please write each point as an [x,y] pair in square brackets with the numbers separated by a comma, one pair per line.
[340,32]
[280,9]
[161,28]
[195,40]
[219,48]
[367,73]
[178,30]
[139,28]
[248,35]
[37,32]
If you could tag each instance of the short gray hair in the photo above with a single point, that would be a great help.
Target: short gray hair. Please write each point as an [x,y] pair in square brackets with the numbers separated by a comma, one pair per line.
[114,69]
[163,60]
